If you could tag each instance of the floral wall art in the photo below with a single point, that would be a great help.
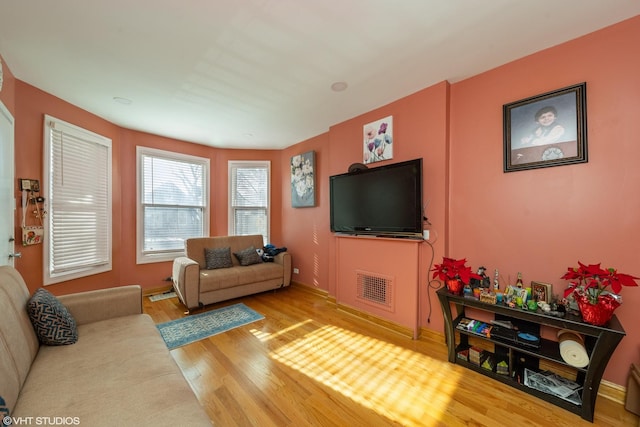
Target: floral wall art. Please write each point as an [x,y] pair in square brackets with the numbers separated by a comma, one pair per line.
[303,192]
[378,138]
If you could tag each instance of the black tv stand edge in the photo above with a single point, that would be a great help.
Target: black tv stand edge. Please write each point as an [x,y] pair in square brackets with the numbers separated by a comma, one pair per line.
[386,236]
[392,236]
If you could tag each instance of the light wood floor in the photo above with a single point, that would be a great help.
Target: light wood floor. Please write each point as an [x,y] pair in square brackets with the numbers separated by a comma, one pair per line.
[309,364]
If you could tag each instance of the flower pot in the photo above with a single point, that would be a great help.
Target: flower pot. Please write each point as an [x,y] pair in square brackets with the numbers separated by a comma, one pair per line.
[455,286]
[597,314]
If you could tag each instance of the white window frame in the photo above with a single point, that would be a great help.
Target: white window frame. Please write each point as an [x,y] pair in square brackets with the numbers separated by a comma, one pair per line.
[231,213]
[105,237]
[143,257]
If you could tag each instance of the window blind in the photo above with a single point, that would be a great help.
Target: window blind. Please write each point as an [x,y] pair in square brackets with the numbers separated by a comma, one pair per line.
[78,234]
[249,190]
[173,201]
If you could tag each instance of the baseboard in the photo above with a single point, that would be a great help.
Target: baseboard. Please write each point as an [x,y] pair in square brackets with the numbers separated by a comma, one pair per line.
[316,291]
[427,334]
[403,330]
[154,291]
[614,392]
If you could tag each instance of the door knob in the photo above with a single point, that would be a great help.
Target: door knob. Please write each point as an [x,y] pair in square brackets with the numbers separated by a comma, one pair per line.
[15,255]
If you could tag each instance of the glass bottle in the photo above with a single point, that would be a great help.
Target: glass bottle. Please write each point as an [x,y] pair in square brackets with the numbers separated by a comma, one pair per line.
[519,283]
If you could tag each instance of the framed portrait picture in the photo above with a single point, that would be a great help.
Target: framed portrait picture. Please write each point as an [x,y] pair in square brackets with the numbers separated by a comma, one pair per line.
[546,130]
[541,291]
[303,180]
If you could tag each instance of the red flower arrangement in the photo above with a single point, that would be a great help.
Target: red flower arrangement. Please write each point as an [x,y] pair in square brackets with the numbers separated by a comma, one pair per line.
[452,269]
[589,287]
[592,280]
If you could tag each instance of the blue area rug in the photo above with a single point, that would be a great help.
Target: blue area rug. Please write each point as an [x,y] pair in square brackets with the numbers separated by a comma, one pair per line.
[177,333]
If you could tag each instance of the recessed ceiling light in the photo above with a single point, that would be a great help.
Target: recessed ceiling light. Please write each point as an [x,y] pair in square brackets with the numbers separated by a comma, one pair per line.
[121,100]
[338,86]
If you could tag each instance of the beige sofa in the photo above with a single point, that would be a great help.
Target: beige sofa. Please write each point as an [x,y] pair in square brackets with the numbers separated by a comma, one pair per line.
[119,372]
[196,286]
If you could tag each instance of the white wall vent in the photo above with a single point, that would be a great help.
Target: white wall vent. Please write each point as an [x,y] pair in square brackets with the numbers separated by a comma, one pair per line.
[375,289]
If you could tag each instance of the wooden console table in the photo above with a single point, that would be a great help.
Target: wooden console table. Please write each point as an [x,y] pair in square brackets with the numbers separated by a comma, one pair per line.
[600,343]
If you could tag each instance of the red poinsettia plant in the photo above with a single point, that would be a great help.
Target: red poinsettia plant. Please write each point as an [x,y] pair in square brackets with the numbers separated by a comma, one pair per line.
[452,269]
[592,280]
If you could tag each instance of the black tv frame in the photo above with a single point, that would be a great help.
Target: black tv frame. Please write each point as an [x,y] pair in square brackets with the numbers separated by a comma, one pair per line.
[415,231]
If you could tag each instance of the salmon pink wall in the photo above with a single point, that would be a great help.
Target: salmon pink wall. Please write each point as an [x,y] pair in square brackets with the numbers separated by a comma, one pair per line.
[540,222]
[420,124]
[382,263]
[536,222]
[30,107]
[305,229]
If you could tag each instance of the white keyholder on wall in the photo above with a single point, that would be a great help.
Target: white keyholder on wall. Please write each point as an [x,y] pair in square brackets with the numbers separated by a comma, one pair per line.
[31,234]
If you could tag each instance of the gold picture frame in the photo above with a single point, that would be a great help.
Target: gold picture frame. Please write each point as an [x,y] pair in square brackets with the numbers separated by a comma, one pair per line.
[541,292]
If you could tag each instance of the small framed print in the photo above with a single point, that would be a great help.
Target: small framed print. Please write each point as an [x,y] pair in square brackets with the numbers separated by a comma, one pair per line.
[378,140]
[303,181]
[541,291]
[546,130]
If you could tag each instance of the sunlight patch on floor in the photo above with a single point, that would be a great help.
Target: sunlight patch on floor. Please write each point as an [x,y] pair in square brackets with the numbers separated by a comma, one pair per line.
[388,379]
[265,336]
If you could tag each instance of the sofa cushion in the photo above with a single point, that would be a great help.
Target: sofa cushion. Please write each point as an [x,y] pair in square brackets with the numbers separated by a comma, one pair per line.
[218,258]
[248,256]
[120,370]
[53,323]
[18,341]
[225,278]
[259,273]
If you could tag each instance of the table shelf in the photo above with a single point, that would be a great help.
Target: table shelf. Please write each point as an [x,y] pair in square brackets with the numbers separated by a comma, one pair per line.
[600,343]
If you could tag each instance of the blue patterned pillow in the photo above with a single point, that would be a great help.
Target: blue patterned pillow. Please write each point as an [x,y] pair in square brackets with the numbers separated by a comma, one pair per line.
[4,411]
[51,320]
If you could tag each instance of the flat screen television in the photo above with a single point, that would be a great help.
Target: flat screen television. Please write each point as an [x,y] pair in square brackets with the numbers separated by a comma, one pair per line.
[383,200]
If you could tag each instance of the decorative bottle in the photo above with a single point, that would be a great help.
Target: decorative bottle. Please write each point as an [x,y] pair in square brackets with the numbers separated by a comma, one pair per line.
[519,283]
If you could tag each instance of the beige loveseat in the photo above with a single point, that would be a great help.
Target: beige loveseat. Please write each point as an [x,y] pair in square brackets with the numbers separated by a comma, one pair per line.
[197,286]
[119,372]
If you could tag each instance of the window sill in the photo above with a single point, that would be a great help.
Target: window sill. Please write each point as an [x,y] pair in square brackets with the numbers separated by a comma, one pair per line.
[153,258]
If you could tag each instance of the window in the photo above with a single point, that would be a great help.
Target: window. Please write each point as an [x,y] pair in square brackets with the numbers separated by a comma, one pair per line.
[173,203]
[77,183]
[249,184]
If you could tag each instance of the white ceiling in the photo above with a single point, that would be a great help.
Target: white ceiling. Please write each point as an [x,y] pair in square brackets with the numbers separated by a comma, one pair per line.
[257,73]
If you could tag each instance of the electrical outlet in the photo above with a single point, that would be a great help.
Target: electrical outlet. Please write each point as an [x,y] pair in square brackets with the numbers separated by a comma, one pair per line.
[296,271]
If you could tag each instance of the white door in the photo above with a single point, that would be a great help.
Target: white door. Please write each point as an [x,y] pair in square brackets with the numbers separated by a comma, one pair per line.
[7,181]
